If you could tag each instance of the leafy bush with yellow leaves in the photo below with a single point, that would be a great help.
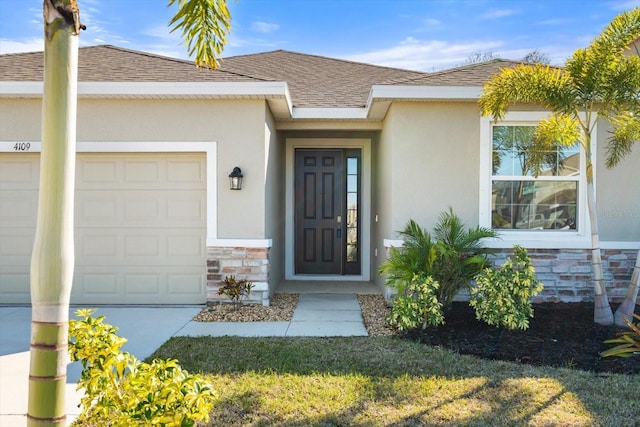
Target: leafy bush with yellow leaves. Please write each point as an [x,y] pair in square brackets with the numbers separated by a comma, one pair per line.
[502,297]
[123,391]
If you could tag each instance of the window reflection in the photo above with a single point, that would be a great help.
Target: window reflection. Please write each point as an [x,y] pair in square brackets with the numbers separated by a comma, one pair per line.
[528,203]
[534,205]
[352,209]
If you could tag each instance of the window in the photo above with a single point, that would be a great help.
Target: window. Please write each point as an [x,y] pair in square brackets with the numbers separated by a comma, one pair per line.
[520,201]
[549,211]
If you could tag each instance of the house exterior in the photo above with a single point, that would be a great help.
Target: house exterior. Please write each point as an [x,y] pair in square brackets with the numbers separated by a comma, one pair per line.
[336,157]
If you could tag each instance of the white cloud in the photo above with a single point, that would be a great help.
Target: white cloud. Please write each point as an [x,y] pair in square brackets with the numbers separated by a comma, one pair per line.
[498,13]
[27,45]
[429,55]
[264,27]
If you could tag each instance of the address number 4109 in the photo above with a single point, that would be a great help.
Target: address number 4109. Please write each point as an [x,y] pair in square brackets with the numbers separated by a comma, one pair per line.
[22,146]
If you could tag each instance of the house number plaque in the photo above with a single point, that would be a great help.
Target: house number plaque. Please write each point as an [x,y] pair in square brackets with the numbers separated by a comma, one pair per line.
[22,146]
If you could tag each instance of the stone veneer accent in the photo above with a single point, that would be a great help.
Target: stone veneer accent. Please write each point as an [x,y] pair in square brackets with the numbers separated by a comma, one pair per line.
[566,273]
[567,276]
[244,263]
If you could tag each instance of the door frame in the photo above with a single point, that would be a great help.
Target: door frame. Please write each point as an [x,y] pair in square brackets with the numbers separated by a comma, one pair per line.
[364,144]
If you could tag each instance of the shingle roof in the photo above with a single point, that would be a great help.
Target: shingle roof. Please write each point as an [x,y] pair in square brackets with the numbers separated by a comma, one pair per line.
[313,81]
[317,81]
[467,75]
[110,63]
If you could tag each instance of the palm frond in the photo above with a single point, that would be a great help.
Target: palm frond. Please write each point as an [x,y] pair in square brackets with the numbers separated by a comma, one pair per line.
[625,134]
[530,84]
[204,25]
[595,71]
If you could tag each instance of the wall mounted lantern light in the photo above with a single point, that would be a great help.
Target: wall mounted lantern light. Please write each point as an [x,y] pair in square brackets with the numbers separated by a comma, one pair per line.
[235,179]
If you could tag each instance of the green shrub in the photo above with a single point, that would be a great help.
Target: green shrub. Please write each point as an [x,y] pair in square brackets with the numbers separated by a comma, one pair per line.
[122,391]
[628,341]
[235,289]
[453,256]
[502,297]
[418,307]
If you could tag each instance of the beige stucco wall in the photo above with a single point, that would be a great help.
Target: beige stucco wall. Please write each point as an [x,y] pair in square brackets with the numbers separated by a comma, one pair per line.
[425,162]
[274,203]
[618,193]
[237,126]
[433,164]
[20,119]
[382,184]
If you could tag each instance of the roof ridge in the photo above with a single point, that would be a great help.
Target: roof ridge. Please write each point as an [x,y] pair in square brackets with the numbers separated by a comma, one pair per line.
[465,67]
[171,59]
[142,53]
[349,61]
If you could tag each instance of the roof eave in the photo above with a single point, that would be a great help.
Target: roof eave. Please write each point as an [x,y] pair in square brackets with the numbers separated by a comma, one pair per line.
[381,96]
[276,93]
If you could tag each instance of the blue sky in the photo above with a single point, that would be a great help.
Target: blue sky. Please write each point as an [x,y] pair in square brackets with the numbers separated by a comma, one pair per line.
[424,35]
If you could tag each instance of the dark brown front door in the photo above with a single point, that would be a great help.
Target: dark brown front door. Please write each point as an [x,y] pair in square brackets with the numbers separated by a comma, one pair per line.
[319,211]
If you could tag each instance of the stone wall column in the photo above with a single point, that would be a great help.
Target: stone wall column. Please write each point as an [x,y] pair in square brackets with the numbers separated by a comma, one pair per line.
[251,264]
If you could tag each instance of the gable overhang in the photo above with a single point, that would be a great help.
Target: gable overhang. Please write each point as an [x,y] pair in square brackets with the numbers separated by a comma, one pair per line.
[381,96]
[380,99]
[275,93]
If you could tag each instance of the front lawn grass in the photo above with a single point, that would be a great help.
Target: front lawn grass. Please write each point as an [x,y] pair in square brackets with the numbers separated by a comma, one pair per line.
[387,381]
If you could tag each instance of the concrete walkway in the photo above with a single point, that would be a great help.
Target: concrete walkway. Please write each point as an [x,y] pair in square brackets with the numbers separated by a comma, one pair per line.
[147,328]
[316,315]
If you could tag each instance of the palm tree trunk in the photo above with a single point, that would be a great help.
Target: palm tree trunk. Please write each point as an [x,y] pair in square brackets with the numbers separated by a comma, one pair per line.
[52,260]
[602,310]
[629,303]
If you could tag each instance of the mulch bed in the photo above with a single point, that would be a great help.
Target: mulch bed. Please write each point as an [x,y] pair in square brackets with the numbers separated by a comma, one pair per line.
[561,335]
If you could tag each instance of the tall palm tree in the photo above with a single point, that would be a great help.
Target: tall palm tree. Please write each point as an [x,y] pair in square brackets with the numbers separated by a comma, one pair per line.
[204,25]
[601,81]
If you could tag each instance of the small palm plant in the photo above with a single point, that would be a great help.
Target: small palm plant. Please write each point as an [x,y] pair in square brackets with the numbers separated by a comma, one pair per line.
[453,256]
[460,254]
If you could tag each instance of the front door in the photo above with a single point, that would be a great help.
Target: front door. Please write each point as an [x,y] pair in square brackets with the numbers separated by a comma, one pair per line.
[326,232]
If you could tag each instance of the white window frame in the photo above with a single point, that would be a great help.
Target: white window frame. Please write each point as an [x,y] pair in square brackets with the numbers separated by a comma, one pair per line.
[559,239]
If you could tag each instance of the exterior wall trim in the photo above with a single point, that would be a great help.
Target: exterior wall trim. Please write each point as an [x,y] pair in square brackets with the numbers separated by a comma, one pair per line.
[580,238]
[240,243]
[254,89]
[291,145]
[556,244]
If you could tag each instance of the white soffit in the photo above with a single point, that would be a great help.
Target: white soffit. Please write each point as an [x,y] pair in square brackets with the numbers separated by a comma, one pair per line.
[300,113]
[381,96]
[276,93]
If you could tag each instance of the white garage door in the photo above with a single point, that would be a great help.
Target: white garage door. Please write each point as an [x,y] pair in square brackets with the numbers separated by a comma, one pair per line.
[140,227]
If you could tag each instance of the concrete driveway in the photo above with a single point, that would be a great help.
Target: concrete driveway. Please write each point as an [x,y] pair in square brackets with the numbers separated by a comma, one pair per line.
[146,328]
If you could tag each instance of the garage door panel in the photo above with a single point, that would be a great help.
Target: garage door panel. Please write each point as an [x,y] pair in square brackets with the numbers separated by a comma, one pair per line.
[19,171]
[173,171]
[185,284]
[89,283]
[140,227]
[141,247]
[140,209]
[16,242]
[185,245]
[142,284]
[184,211]
[136,285]
[142,171]
[18,208]
[186,171]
